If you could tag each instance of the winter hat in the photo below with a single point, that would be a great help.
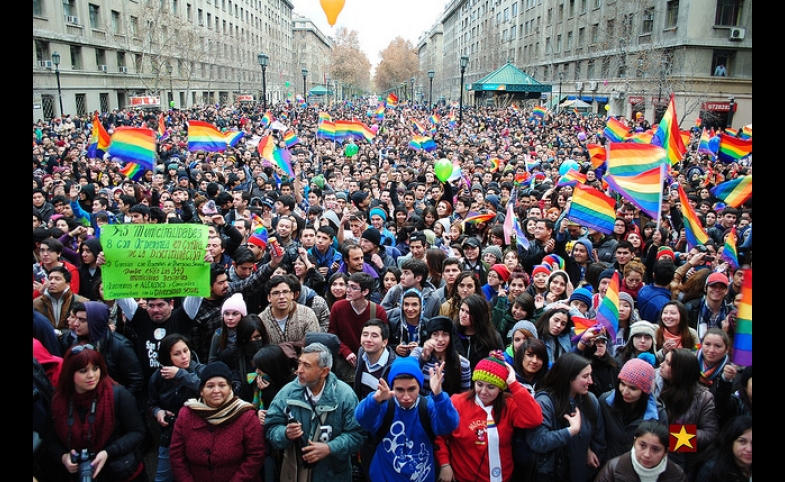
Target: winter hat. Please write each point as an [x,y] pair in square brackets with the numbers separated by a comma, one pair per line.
[493,199]
[643,327]
[430,237]
[586,244]
[378,212]
[639,373]
[477,187]
[541,268]
[235,303]
[215,369]
[665,251]
[608,273]
[554,258]
[502,270]
[524,325]
[583,295]
[358,197]
[259,237]
[492,370]
[405,365]
[439,323]
[494,250]
[372,235]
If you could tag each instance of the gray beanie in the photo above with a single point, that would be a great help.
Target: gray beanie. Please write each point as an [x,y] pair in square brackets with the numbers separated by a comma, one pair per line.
[524,325]
[494,250]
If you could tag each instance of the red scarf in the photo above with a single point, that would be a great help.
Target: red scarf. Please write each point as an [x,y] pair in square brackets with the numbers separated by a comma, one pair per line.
[100,430]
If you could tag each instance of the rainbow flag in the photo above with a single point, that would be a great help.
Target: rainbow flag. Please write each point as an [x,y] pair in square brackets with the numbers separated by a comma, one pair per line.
[423,142]
[576,112]
[592,209]
[162,134]
[696,235]
[729,251]
[734,192]
[733,149]
[363,131]
[132,171]
[324,116]
[479,218]
[615,130]
[290,138]
[608,311]
[742,339]
[582,324]
[731,132]
[668,136]
[572,177]
[134,144]
[597,155]
[343,129]
[418,125]
[493,164]
[452,120]
[203,136]
[746,132]
[641,137]
[644,190]
[99,140]
[629,158]
[512,226]
[274,154]
[233,137]
[539,111]
[521,178]
[379,112]
[392,100]
[435,119]
[703,144]
[267,119]
[326,130]
[514,109]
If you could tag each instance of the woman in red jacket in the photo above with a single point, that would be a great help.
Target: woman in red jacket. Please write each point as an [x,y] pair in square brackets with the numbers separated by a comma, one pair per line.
[217,438]
[480,449]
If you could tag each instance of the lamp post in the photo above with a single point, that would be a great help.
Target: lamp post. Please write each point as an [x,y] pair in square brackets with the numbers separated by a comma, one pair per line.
[264,61]
[413,98]
[56,61]
[327,86]
[558,104]
[464,63]
[403,84]
[305,93]
[431,74]
[169,70]
[731,106]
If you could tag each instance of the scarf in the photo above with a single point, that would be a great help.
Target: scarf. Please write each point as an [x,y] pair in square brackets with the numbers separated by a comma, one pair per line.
[257,401]
[708,374]
[84,433]
[492,435]
[648,475]
[666,335]
[228,412]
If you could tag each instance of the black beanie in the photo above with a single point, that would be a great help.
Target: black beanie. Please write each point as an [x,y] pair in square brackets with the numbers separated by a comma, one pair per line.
[372,235]
[215,369]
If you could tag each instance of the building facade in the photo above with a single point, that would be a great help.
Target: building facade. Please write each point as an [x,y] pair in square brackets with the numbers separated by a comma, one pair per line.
[181,53]
[626,55]
[312,50]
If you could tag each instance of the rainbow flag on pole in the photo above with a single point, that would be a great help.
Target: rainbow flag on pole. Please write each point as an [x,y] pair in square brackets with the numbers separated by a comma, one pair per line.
[134,144]
[703,144]
[162,134]
[99,140]
[274,154]
[392,100]
[668,136]
[291,139]
[539,111]
[592,209]
[734,192]
[608,311]
[512,226]
[729,251]
[324,116]
[203,136]
[326,129]
[597,155]
[629,158]
[742,338]
[644,190]
[379,112]
[233,137]
[615,130]
[423,142]
[267,119]
[696,235]
[733,149]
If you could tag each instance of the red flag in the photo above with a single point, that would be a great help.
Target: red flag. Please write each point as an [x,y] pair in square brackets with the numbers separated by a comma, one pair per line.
[683,437]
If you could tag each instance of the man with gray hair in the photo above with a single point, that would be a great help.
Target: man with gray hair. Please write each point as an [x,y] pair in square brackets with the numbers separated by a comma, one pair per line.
[311,420]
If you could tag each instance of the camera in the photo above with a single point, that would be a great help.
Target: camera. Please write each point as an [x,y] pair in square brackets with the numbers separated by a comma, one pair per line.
[709,259]
[325,433]
[166,432]
[85,471]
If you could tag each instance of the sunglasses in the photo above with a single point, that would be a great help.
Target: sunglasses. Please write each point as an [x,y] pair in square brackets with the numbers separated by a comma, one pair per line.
[77,349]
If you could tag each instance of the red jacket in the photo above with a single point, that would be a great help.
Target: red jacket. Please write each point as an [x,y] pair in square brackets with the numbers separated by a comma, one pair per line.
[466,447]
[233,451]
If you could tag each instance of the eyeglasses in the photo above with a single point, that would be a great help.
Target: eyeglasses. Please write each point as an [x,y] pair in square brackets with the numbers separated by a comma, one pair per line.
[77,349]
[278,294]
[353,288]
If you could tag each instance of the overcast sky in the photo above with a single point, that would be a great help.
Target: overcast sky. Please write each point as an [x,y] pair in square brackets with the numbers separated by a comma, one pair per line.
[378,22]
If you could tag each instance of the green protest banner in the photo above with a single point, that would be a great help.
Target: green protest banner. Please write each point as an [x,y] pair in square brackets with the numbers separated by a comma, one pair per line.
[154,260]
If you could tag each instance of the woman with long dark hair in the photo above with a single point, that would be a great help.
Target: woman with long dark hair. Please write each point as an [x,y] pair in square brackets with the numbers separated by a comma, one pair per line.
[336,288]
[729,458]
[554,328]
[439,346]
[569,445]
[476,335]
[465,284]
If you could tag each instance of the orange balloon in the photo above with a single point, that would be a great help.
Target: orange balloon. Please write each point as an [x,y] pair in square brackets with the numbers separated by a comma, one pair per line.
[332,8]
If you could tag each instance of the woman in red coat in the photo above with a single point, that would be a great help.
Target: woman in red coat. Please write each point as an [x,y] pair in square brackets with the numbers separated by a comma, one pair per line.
[217,438]
[480,448]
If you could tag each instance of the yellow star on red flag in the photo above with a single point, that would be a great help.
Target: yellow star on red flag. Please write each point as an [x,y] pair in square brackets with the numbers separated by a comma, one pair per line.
[681,438]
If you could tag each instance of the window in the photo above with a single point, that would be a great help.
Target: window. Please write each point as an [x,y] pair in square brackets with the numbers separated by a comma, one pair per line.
[188,12]
[103,100]
[95,18]
[648,21]
[134,26]
[606,67]
[100,57]
[569,40]
[69,7]
[120,60]
[558,43]
[513,32]
[584,4]
[116,22]
[610,28]
[81,104]
[76,57]
[41,51]
[721,63]
[577,71]
[174,7]
[728,12]
[506,14]
[38,8]
[673,14]
[561,12]
[590,70]
[515,9]
[595,33]
[581,36]
[572,9]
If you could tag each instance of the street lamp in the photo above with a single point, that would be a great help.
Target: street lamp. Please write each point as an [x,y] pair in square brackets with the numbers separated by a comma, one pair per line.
[171,91]
[731,105]
[403,84]
[327,86]
[558,103]
[264,61]
[305,93]
[412,92]
[56,61]
[464,63]
[431,74]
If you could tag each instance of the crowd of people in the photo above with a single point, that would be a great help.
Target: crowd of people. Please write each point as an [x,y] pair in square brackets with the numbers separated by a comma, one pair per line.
[368,319]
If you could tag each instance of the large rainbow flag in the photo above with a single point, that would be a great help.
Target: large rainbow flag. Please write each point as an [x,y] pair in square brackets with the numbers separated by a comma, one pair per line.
[134,144]
[704,146]
[742,338]
[267,119]
[233,137]
[326,129]
[592,208]
[597,155]
[539,111]
[280,157]
[392,100]
[668,136]
[729,251]
[290,138]
[203,136]
[696,235]
[512,226]
[423,142]
[608,311]
[99,140]
[644,190]
[615,130]
[734,192]
[733,149]
[629,158]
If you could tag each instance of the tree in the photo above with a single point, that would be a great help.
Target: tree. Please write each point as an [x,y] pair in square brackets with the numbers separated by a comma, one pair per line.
[399,63]
[349,64]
